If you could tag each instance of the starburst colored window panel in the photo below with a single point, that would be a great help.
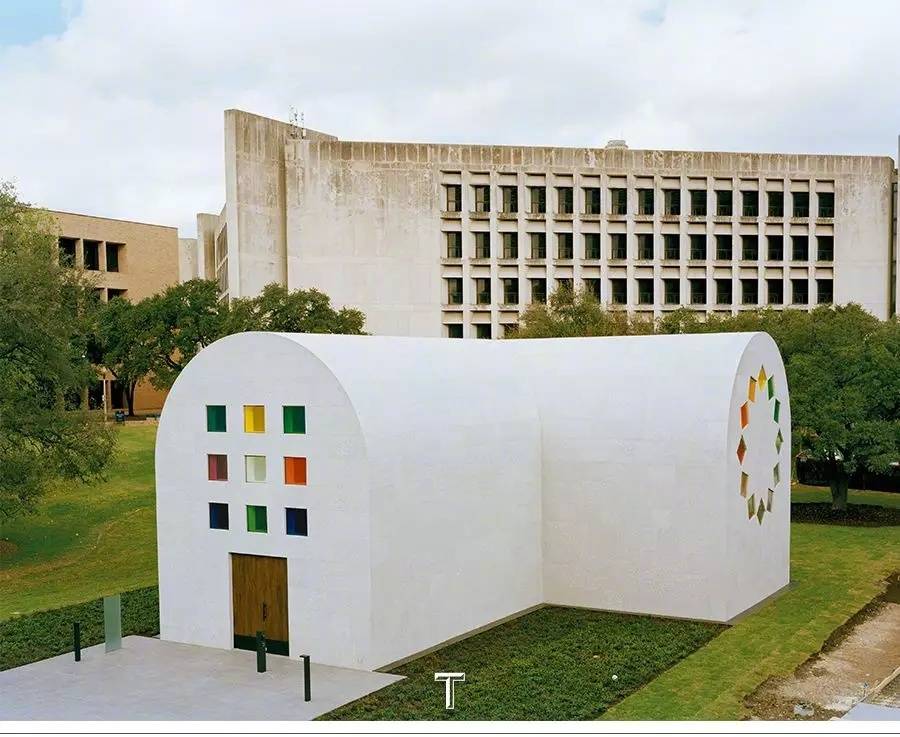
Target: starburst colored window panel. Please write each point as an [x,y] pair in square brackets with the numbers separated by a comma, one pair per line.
[776,474]
[745,414]
[770,386]
[751,507]
[741,450]
[769,500]
[744,480]
[751,390]
[777,411]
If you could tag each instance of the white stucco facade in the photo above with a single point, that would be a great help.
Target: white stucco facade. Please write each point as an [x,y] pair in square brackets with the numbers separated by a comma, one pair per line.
[451,484]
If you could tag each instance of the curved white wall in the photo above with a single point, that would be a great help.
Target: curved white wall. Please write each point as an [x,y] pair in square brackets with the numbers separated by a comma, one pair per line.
[454,483]
[423,493]
[639,492]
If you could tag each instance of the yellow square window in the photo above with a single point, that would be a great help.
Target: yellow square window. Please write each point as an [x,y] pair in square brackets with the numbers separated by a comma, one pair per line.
[254,418]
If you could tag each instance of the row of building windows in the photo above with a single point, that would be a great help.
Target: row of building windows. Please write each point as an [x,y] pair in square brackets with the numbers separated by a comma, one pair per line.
[293,419]
[255,469]
[295,520]
[68,251]
[646,291]
[722,203]
[645,246]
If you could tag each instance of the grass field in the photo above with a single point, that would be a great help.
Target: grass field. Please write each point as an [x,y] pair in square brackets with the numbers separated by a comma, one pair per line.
[90,541]
[86,541]
[554,663]
[835,571]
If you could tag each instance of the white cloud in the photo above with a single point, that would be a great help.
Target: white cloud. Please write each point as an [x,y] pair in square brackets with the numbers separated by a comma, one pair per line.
[121,115]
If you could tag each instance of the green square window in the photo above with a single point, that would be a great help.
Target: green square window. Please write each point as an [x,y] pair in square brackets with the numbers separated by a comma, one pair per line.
[295,420]
[256,519]
[215,418]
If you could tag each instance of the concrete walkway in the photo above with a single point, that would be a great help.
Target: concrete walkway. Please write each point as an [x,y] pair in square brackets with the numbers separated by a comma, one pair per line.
[153,679]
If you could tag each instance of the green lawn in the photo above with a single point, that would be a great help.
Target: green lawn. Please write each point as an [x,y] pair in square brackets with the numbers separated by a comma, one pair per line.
[86,541]
[803,493]
[835,571]
[554,663]
[90,541]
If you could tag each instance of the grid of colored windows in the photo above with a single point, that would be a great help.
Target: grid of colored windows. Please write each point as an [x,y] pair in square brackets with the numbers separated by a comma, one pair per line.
[295,471]
[255,467]
[256,519]
[218,516]
[295,521]
[254,418]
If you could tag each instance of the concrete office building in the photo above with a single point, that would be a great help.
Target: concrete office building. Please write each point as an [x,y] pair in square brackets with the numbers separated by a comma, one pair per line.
[457,240]
[365,498]
[125,259]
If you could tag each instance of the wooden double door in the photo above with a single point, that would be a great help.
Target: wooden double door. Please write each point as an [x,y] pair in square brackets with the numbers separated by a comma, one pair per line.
[259,600]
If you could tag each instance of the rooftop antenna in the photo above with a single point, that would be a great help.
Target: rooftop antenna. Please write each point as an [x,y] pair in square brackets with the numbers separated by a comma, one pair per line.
[295,121]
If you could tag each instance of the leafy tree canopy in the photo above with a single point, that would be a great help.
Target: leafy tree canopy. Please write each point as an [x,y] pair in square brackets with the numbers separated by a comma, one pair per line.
[46,314]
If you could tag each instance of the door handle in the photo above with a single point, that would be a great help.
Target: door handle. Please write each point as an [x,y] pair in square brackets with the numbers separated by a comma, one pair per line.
[265,611]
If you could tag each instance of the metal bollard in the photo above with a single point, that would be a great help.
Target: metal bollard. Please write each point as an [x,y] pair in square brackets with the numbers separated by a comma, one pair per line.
[76,634]
[260,652]
[306,685]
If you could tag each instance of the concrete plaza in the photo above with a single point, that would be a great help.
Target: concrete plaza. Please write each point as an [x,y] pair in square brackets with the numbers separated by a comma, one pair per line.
[151,679]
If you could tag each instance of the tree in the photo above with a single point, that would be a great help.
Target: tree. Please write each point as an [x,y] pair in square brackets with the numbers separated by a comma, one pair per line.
[845,396]
[302,311]
[120,345]
[173,326]
[569,314]
[45,322]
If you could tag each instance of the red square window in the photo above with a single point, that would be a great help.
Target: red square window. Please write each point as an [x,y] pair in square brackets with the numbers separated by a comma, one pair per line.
[218,467]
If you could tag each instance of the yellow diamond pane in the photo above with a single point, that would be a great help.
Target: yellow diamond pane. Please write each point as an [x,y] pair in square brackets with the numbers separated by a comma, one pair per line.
[751,390]
[762,377]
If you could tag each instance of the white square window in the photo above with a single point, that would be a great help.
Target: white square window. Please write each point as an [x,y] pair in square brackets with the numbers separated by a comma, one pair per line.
[255,467]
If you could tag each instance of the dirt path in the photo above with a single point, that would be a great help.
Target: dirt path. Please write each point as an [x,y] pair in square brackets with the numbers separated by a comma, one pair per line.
[857,657]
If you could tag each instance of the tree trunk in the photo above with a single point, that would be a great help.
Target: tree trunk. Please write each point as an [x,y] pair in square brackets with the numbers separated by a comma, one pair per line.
[129,397]
[839,483]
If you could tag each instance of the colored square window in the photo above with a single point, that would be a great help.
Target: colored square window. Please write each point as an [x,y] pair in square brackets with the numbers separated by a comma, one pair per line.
[215,418]
[218,467]
[256,519]
[295,420]
[255,469]
[295,521]
[254,418]
[295,470]
[218,516]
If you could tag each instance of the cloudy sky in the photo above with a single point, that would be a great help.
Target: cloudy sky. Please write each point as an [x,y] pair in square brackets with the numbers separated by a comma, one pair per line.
[115,108]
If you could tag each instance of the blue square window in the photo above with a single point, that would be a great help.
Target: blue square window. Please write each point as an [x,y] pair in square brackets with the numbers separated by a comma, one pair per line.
[218,516]
[295,521]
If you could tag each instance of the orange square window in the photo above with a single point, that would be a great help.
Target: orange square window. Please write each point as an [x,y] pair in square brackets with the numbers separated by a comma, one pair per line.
[295,470]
